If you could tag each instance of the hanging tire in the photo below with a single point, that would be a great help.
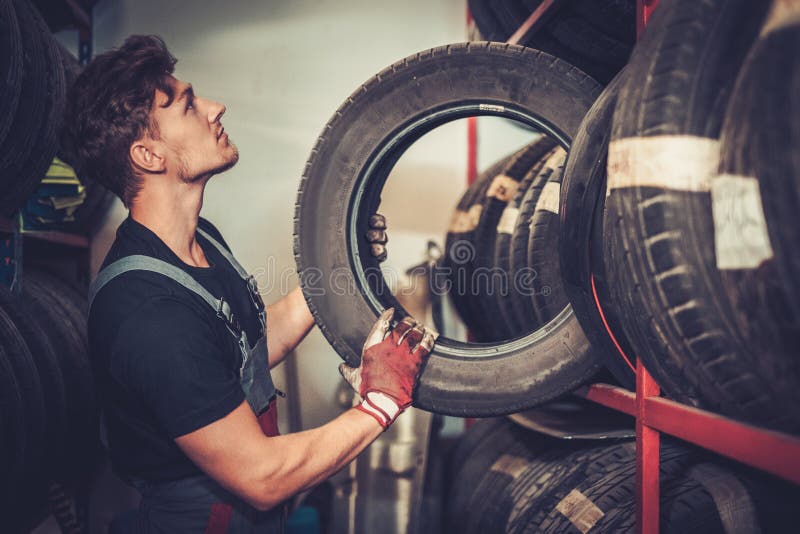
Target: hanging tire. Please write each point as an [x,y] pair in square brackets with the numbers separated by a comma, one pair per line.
[596,37]
[755,200]
[523,276]
[500,192]
[583,194]
[542,251]
[519,324]
[338,194]
[658,229]
[10,66]
[459,253]
[31,144]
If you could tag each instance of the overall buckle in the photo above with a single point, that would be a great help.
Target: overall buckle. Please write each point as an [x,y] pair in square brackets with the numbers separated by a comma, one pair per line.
[224,313]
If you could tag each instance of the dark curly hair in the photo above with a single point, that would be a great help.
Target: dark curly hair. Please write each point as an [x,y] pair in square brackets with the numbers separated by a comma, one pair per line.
[108,108]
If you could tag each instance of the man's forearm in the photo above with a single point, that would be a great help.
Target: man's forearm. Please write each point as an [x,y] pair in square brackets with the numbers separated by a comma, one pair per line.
[288,322]
[302,460]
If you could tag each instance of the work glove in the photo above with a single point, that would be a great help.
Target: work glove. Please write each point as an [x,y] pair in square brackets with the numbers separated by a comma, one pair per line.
[376,237]
[390,364]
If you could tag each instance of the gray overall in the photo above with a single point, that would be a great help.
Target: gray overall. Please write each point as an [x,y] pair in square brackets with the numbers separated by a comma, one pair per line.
[199,504]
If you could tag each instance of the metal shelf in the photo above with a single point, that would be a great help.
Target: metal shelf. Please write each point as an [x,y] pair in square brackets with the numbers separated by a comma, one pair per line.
[52,236]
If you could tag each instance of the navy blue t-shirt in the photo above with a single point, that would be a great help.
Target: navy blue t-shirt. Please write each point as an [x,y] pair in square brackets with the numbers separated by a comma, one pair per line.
[164,363]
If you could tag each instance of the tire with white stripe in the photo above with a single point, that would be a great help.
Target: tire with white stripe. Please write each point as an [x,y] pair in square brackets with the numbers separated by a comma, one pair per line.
[755,200]
[658,228]
[583,192]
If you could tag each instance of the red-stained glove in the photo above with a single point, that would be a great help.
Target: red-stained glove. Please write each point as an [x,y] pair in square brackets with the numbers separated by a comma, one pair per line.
[390,365]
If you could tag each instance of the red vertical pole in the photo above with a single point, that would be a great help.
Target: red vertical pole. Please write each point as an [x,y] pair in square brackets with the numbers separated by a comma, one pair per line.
[647,456]
[472,134]
[648,440]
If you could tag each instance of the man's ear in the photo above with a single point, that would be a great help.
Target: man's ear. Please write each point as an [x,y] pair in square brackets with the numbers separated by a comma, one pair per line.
[144,155]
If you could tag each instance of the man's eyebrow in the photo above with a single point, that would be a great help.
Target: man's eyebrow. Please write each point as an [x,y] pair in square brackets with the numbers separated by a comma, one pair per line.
[187,91]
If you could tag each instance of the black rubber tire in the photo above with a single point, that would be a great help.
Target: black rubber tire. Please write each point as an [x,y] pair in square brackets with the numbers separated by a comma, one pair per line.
[29,454]
[524,278]
[481,474]
[583,192]
[506,474]
[12,426]
[337,195]
[459,254]
[27,322]
[699,493]
[63,312]
[597,37]
[31,144]
[542,255]
[488,307]
[10,66]
[659,254]
[502,258]
[760,143]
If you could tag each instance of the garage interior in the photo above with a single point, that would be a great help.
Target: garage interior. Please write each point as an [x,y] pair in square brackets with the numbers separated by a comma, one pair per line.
[591,201]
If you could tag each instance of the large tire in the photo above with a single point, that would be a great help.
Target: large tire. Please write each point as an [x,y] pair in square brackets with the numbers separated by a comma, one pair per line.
[583,193]
[10,66]
[341,187]
[755,200]
[30,146]
[493,203]
[659,254]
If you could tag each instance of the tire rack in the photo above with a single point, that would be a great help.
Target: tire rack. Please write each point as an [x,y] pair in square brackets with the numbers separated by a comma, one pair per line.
[71,253]
[772,452]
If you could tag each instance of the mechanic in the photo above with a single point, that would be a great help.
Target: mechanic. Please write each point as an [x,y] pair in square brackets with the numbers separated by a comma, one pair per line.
[181,343]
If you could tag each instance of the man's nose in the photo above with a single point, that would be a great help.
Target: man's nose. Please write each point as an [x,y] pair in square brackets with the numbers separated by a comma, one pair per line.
[215,111]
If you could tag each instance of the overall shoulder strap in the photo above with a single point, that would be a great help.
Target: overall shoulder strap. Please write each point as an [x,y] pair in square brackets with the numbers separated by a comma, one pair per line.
[225,252]
[138,262]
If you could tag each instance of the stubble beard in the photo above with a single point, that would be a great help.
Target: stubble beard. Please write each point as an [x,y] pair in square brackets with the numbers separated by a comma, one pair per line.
[183,172]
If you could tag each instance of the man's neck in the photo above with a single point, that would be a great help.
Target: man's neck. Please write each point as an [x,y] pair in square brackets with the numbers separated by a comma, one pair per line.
[172,214]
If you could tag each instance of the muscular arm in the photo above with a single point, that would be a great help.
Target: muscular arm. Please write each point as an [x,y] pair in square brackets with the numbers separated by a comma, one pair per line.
[264,471]
[288,322]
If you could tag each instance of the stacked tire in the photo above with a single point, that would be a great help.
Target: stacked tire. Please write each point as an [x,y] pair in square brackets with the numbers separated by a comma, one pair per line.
[37,73]
[508,479]
[49,415]
[596,37]
[685,254]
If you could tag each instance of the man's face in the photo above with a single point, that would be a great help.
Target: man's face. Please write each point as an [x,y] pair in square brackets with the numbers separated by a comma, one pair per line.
[191,135]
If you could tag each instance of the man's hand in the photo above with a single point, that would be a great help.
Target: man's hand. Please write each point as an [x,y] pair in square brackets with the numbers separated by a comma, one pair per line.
[376,236]
[390,366]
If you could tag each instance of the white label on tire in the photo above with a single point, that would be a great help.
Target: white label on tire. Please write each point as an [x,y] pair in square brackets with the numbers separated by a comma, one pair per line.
[492,107]
[740,229]
[512,466]
[580,511]
[508,220]
[465,221]
[549,198]
[782,13]
[676,162]
[503,188]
